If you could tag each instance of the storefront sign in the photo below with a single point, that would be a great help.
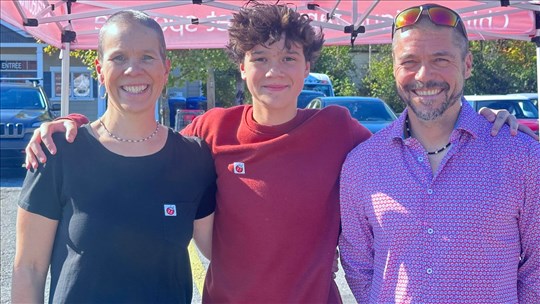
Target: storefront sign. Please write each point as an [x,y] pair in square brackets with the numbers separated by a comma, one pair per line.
[18,65]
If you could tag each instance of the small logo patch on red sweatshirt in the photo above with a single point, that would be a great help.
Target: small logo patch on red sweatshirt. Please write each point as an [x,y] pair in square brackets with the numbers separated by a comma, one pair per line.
[239,168]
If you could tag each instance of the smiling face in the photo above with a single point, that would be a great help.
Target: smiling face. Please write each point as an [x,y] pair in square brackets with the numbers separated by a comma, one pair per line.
[275,76]
[430,70]
[131,66]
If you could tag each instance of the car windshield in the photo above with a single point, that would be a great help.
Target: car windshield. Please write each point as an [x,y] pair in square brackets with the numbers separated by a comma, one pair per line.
[21,98]
[522,109]
[366,110]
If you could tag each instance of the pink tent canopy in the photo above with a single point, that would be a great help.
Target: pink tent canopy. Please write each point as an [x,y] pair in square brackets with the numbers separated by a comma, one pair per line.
[195,24]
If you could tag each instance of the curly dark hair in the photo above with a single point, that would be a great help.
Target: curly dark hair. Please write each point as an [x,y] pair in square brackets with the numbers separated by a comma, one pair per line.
[264,24]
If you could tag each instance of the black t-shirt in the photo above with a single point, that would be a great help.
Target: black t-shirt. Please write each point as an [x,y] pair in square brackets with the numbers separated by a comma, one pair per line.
[124,222]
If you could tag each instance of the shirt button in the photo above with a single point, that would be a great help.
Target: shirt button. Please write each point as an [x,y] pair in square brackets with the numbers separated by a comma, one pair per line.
[429,191]
[429,271]
[430,231]
[420,159]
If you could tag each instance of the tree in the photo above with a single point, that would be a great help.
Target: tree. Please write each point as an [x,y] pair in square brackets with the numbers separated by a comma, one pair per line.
[195,65]
[379,80]
[502,67]
[337,63]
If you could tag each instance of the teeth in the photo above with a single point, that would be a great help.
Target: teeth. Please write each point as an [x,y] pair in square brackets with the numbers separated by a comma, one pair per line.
[427,92]
[135,89]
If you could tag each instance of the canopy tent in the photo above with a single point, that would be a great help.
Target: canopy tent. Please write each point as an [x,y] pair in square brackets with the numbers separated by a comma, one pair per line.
[196,24]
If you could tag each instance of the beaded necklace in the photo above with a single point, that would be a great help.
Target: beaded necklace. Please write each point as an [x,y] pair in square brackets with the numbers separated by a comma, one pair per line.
[428,152]
[129,140]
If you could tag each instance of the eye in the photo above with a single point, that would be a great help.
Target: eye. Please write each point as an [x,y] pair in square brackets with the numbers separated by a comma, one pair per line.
[119,58]
[442,61]
[289,59]
[408,63]
[148,58]
[258,59]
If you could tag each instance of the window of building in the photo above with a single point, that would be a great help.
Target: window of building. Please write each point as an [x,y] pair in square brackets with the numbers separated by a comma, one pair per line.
[81,84]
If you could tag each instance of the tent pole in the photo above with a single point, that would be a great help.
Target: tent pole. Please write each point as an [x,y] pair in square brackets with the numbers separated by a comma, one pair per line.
[64,98]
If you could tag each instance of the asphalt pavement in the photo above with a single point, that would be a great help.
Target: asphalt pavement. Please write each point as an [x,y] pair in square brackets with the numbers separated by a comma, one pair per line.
[10,187]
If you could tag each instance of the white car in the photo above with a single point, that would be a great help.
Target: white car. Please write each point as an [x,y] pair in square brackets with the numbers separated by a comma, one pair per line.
[519,106]
[533,97]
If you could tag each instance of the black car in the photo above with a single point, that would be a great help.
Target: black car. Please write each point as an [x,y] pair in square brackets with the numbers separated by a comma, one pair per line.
[371,112]
[23,107]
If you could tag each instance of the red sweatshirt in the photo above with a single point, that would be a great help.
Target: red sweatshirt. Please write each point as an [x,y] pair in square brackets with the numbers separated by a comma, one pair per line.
[277,216]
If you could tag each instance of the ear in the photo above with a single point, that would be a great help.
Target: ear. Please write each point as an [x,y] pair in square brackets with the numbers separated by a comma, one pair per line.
[468,65]
[98,70]
[241,67]
[394,65]
[308,68]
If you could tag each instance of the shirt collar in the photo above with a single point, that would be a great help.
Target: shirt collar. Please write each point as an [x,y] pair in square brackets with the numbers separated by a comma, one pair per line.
[467,122]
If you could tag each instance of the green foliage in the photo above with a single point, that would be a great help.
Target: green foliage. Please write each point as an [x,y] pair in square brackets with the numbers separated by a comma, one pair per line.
[194,64]
[337,63]
[345,87]
[88,57]
[379,80]
[501,67]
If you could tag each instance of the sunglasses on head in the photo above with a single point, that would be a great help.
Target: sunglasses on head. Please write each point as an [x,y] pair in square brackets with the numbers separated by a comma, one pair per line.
[438,15]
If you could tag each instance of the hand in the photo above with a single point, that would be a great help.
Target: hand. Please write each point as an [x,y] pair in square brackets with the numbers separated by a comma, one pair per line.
[44,133]
[500,117]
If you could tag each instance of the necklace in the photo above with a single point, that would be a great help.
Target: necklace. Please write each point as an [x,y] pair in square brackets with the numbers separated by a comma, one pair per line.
[129,140]
[428,152]
[440,150]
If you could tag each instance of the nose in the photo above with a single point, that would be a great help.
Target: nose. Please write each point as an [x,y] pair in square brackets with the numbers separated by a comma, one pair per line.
[423,73]
[133,67]
[274,70]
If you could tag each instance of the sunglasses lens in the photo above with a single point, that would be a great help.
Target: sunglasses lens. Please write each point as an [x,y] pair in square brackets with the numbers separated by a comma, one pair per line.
[407,17]
[442,16]
[438,15]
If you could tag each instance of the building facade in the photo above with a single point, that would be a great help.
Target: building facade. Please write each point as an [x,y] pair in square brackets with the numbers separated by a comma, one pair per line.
[22,58]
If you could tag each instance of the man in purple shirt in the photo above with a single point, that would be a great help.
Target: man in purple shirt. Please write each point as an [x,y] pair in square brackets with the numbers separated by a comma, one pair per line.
[434,208]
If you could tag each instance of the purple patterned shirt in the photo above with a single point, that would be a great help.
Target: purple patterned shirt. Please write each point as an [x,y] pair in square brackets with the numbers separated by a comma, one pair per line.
[470,233]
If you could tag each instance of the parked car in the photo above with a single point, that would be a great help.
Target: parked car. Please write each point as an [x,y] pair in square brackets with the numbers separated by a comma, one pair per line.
[23,107]
[306,96]
[319,82]
[533,97]
[371,112]
[519,106]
